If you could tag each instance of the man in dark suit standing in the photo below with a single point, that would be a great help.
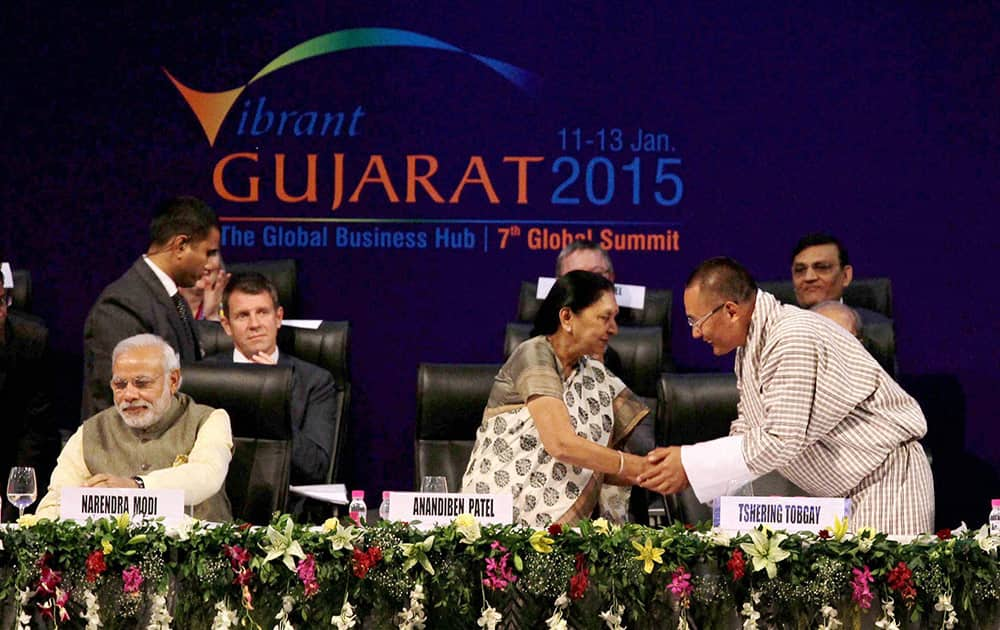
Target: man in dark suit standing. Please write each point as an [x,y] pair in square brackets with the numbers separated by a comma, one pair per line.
[251,315]
[30,436]
[184,245]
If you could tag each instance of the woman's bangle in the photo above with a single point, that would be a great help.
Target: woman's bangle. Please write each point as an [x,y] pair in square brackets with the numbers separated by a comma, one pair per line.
[621,462]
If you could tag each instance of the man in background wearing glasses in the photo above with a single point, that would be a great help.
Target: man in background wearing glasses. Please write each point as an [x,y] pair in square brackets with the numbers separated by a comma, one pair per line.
[153,437]
[814,406]
[30,437]
[821,270]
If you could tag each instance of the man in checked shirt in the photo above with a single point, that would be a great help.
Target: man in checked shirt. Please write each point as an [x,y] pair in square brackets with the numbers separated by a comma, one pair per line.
[814,406]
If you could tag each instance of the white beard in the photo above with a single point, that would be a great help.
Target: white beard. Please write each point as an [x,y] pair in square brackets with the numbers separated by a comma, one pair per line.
[153,413]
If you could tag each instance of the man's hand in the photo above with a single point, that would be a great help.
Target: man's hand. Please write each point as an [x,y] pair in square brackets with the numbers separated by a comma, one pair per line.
[104,480]
[666,474]
[263,358]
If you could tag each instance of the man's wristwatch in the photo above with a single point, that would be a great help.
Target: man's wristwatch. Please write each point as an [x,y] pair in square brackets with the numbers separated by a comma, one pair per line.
[139,482]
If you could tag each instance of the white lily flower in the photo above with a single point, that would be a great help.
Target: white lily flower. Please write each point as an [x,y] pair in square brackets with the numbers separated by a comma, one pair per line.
[490,618]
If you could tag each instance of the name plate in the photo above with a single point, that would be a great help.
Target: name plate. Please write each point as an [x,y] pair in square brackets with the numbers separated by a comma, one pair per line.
[792,514]
[79,504]
[437,508]
[626,295]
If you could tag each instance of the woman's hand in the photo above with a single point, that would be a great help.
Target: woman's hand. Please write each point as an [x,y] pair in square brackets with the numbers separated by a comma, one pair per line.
[634,467]
[560,441]
[213,295]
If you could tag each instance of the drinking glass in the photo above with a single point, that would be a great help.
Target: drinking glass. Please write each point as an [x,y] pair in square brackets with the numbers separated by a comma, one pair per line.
[22,490]
[434,484]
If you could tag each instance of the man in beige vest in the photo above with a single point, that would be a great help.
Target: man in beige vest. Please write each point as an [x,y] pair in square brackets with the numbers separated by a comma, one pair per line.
[154,436]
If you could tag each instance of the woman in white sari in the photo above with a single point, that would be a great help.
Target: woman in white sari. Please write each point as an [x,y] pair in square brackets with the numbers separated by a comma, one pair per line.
[556,417]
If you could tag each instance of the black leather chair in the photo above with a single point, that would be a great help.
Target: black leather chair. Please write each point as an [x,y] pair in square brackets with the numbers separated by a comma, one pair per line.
[328,346]
[257,400]
[21,293]
[693,408]
[655,312]
[697,407]
[283,273]
[450,404]
[640,349]
[874,294]
[880,340]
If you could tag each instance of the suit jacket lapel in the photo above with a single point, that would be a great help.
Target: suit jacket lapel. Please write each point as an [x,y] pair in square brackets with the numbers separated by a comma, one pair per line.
[176,324]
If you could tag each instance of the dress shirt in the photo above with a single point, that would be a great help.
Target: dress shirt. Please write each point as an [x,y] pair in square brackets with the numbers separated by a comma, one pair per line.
[716,467]
[239,357]
[167,282]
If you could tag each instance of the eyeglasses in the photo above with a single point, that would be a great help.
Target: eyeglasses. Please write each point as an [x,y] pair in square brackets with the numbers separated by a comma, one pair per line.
[141,383]
[819,268]
[696,324]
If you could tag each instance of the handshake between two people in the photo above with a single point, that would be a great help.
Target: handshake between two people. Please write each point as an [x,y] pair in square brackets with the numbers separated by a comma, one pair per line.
[661,471]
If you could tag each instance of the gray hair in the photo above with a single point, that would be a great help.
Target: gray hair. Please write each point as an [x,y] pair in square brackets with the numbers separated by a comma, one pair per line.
[578,245]
[171,361]
[840,307]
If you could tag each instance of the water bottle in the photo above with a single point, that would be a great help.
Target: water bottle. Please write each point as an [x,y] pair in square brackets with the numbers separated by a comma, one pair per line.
[383,509]
[995,518]
[357,510]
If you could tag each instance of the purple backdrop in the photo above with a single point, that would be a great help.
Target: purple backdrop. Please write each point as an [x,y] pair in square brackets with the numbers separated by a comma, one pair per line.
[878,123]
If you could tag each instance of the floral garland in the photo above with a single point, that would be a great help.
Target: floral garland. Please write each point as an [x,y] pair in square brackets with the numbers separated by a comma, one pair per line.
[114,573]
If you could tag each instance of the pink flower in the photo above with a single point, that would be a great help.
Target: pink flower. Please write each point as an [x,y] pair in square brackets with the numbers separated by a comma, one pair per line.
[680,584]
[133,579]
[62,598]
[307,573]
[307,569]
[48,580]
[238,556]
[862,594]
[498,575]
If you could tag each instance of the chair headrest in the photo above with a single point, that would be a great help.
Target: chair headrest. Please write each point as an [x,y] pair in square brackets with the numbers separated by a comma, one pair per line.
[639,348]
[880,340]
[451,399]
[695,407]
[255,396]
[283,274]
[874,294]
[21,293]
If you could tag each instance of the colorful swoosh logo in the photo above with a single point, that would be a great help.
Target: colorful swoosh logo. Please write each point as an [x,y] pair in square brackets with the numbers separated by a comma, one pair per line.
[211,108]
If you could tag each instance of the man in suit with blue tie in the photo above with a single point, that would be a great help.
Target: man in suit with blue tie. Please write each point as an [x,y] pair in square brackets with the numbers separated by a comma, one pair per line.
[184,245]
[252,315]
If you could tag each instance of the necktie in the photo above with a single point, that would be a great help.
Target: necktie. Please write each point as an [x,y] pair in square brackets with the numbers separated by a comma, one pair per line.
[188,321]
